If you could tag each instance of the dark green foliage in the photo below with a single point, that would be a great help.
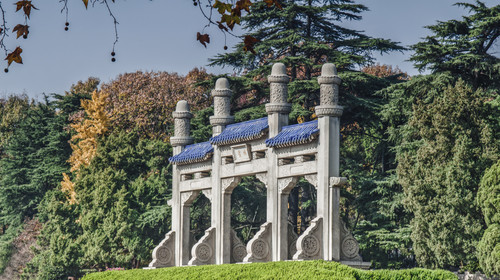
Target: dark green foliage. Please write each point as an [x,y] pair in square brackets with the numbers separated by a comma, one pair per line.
[12,110]
[444,149]
[304,35]
[121,212]
[488,199]
[464,48]
[273,270]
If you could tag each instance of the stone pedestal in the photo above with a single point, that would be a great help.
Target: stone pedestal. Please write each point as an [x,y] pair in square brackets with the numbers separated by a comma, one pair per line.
[259,247]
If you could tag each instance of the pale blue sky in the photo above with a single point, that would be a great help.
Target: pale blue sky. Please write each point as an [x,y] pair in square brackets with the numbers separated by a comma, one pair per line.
[161,35]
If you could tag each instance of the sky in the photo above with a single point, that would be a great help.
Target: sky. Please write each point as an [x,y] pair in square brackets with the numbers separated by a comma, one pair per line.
[160,35]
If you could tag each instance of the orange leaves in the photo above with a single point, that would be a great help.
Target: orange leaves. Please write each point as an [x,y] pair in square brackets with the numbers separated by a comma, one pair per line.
[26,6]
[21,30]
[86,3]
[271,3]
[203,38]
[249,42]
[15,56]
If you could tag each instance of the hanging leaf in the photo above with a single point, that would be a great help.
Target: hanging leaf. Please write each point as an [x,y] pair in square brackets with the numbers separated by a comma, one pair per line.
[86,3]
[15,56]
[21,30]
[203,38]
[249,42]
[26,6]
[271,3]
[243,5]
[222,7]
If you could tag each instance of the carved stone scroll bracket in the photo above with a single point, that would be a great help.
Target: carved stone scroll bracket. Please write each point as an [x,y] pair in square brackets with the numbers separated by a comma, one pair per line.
[286,185]
[163,254]
[349,245]
[203,251]
[228,184]
[238,249]
[262,177]
[208,194]
[309,243]
[338,181]
[313,179]
[187,198]
[292,241]
[259,247]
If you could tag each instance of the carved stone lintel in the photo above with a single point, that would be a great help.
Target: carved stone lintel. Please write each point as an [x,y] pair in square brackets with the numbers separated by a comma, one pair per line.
[238,249]
[338,181]
[349,245]
[203,251]
[187,198]
[286,185]
[163,254]
[284,161]
[259,247]
[313,179]
[262,177]
[228,184]
[207,193]
[309,243]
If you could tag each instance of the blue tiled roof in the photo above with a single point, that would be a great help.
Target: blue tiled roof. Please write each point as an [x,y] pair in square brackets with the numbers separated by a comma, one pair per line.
[243,131]
[193,153]
[295,134]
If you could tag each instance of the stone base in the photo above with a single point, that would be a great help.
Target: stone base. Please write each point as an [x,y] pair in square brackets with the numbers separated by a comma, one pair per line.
[357,264]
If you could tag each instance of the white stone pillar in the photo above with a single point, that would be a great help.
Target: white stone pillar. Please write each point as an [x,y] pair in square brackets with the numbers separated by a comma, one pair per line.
[221,200]
[187,199]
[181,138]
[277,110]
[329,113]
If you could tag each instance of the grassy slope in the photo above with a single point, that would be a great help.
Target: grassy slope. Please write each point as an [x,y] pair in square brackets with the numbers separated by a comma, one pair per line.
[273,270]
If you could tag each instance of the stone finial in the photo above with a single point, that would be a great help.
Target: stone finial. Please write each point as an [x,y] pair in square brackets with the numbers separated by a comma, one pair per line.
[182,126]
[222,106]
[279,90]
[329,83]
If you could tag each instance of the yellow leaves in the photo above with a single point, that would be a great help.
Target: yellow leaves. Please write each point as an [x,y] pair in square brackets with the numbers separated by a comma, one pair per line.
[26,6]
[301,119]
[84,142]
[222,7]
[15,56]
[21,30]
[86,3]
[68,187]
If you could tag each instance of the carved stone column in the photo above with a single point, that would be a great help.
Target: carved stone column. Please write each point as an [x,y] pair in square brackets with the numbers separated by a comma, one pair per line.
[222,106]
[278,108]
[285,186]
[329,113]
[187,199]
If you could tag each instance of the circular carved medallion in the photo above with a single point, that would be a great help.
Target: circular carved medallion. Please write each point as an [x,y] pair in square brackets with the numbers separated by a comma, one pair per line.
[239,252]
[163,255]
[310,245]
[350,247]
[260,249]
[203,252]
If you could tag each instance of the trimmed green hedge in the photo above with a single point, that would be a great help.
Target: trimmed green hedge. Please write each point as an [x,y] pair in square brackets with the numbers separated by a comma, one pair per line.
[311,270]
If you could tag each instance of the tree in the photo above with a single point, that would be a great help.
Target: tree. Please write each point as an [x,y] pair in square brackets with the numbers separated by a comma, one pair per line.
[488,200]
[464,48]
[445,147]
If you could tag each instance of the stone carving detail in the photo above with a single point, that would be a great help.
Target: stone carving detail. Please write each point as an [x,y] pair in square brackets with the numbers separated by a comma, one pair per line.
[228,184]
[285,185]
[203,250]
[188,197]
[163,254]
[349,245]
[329,110]
[308,244]
[327,94]
[238,249]
[279,92]
[262,177]
[283,108]
[208,194]
[181,127]
[259,248]
[221,106]
[338,181]
[313,179]
[292,241]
